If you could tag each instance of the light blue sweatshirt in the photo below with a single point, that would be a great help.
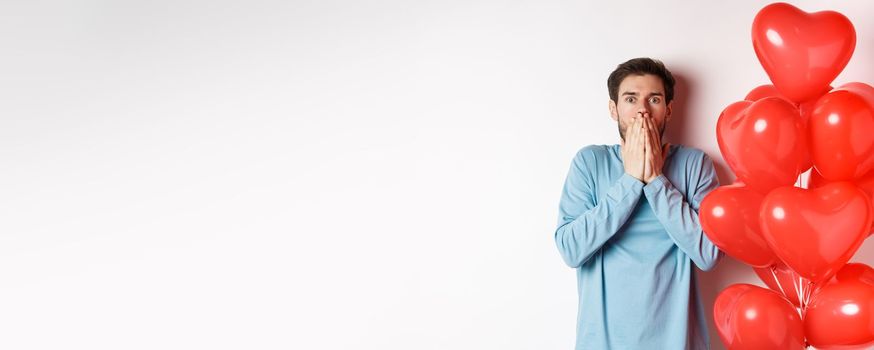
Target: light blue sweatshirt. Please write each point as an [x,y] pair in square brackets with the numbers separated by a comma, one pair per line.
[633,246]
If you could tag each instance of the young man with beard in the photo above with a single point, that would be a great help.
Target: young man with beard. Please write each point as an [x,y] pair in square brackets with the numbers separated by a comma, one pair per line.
[628,224]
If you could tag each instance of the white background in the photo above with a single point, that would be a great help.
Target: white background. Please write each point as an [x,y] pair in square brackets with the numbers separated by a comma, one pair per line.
[327,174]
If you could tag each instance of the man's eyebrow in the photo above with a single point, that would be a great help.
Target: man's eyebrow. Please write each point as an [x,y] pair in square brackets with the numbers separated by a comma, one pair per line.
[634,93]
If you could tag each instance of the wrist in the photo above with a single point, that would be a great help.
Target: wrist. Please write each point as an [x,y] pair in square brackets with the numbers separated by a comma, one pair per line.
[652,178]
[637,176]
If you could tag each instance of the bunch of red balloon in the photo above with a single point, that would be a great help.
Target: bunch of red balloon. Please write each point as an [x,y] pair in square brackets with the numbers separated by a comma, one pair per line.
[799,240]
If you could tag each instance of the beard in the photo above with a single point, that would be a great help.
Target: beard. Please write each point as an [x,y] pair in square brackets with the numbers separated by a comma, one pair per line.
[623,128]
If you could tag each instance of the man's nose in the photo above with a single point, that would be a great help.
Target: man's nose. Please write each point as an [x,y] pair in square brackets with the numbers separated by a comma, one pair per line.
[643,109]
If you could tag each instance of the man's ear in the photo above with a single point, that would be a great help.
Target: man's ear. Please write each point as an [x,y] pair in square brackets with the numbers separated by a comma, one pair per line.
[613,112]
[668,111]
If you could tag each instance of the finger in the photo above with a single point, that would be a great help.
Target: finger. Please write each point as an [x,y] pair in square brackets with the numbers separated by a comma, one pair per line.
[653,168]
[647,155]
[648,130]
[647,169]
[634,138]
[646,142]
[641,133]
[649,125]
[653,134]
[654,137]
[629,133]
[630,138]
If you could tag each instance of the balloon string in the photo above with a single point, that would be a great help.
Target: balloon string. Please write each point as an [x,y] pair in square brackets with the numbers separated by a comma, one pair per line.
[774,274]
[802,301]
[809,294]
[806,304]
[796,283]
[803,180]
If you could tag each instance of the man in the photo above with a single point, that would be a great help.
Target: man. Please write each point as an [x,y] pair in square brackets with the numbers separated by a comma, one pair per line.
[628,223]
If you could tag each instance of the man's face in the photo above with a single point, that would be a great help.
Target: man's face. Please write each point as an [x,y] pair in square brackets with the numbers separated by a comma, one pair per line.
[638,94]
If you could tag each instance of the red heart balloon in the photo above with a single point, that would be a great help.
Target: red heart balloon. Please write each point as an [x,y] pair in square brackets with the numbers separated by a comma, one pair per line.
[866,183]
[802,52]
[815,232]
[723,311]
[762,91]
[786,282]
[840,132]
[753,318]
[804,108]
[841,315]
[855,272]
[764,142]
[729,216]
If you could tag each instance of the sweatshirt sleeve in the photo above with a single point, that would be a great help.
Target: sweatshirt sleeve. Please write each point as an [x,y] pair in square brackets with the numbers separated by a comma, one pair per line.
[584,222]
[679,216]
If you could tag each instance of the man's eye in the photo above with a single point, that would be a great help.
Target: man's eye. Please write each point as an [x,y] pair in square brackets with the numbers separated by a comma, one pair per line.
[629,99]
[655,100]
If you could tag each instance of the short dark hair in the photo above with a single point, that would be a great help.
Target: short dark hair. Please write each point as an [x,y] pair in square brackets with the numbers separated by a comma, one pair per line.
[640,66]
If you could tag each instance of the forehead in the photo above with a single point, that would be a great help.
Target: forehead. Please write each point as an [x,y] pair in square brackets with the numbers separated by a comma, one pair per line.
[646,83]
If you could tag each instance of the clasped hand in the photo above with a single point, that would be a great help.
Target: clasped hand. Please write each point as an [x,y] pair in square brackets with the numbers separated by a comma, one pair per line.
[643,155]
